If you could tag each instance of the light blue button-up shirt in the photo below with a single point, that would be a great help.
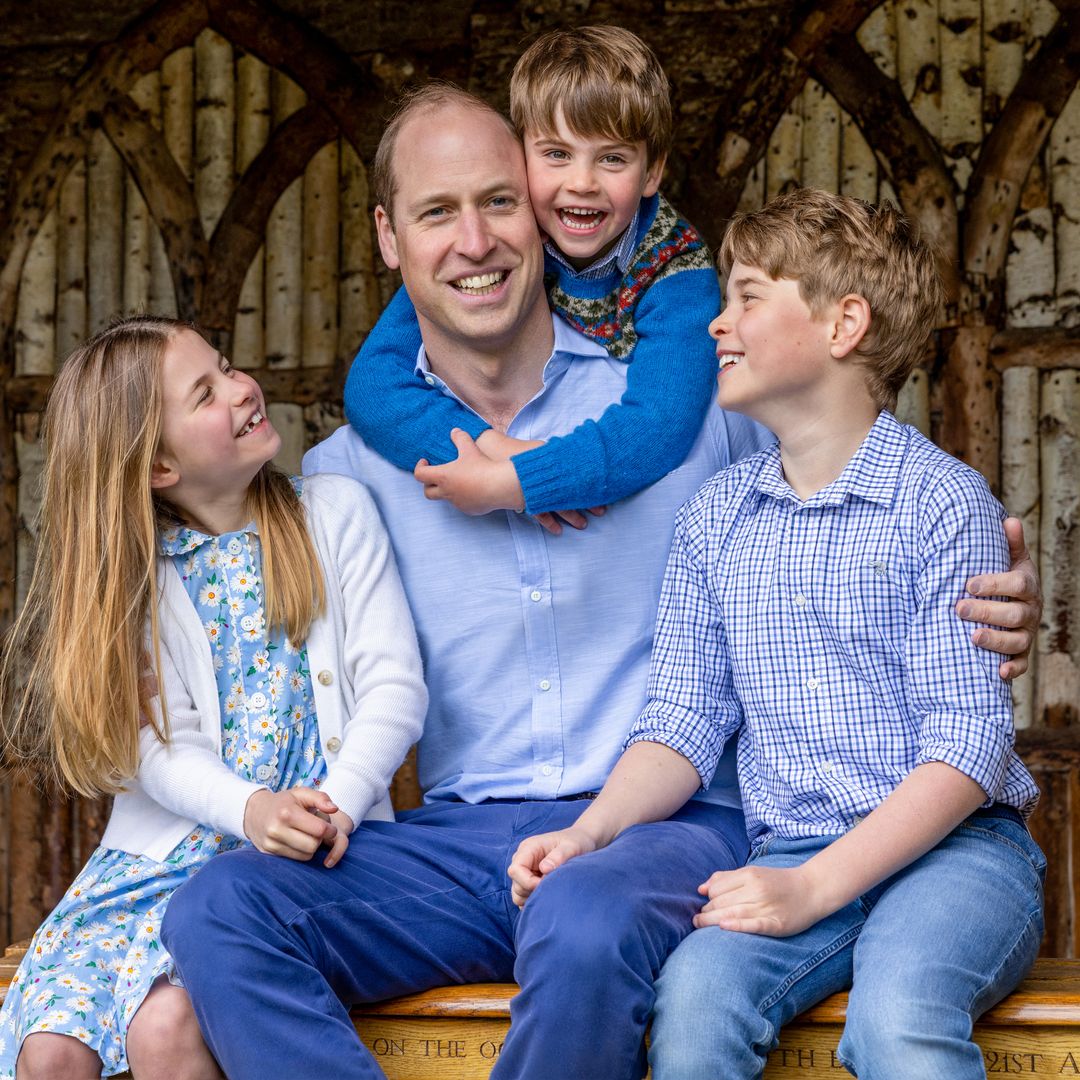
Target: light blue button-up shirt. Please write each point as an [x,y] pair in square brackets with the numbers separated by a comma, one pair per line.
[536,647]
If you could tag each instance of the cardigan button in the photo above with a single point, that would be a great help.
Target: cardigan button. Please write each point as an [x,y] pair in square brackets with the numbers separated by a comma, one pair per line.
[325,678]
[333,744]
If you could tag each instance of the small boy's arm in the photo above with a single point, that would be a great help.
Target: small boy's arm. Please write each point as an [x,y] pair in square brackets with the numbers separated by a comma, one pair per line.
[670,382]
[931,801]
[399,415]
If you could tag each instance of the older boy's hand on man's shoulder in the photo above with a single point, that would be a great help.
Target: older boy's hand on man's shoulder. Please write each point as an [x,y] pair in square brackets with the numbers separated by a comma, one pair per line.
[1014,621]
[538,855]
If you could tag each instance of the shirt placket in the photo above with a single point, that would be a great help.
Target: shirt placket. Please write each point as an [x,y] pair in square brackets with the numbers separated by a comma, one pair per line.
[538,619]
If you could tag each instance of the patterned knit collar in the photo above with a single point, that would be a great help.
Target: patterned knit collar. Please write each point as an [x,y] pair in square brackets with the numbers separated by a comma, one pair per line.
[618,258]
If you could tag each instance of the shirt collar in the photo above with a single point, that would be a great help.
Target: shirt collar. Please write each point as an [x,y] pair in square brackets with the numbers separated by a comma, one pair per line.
[570,344]
[182,539]
[618,258]
[871,474]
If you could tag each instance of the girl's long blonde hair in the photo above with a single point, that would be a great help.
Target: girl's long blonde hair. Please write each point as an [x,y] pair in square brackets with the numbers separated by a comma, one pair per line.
[72,687]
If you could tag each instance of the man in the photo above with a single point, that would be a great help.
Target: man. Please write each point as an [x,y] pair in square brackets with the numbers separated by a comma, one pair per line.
[536,656]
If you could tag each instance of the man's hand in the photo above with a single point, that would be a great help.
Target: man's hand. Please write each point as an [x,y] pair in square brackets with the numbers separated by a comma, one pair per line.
[537,856]
[1018,617]
[283,822]
[553,520]
[760,900]
[473,482]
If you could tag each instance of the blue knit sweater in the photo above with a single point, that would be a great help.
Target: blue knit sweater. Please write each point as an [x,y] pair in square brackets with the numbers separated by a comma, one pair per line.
[654,316]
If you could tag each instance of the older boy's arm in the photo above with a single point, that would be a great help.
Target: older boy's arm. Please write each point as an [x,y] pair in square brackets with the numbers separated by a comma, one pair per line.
[927,805]
[1018,617]
[649,783]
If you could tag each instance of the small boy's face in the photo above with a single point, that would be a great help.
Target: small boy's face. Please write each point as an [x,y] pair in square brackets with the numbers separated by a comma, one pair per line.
[771,349]
[586,190]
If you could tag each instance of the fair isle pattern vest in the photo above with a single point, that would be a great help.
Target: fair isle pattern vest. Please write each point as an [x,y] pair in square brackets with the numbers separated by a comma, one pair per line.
[669,246]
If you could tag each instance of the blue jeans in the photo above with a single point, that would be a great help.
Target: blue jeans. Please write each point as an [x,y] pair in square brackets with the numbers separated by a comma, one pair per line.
[924,953]
[273,951]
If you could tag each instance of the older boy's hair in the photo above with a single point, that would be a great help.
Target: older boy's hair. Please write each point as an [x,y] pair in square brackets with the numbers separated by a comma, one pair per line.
[605,80]
[833,245]
[427,97]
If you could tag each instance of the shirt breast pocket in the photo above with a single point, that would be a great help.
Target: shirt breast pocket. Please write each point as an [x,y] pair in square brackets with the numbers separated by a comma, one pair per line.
[877,615]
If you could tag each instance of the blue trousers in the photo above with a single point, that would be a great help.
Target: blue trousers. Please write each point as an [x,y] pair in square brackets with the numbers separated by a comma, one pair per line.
[273,951]
[924,953]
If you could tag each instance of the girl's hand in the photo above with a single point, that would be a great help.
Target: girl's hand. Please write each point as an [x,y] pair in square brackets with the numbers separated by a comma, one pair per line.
[759,900]
[282,822]
[344,825]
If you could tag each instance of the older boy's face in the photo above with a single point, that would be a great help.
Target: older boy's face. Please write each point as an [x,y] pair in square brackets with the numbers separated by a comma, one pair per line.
[585,190]
[771,349]
[463,232]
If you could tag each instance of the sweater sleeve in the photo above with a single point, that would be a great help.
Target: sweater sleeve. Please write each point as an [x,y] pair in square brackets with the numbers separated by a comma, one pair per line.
[396,413]
[378,649]
[670,383]
[186,774]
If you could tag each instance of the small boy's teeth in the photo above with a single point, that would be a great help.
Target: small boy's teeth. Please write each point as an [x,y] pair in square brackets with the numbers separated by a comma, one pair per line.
[568,213]
[479,284]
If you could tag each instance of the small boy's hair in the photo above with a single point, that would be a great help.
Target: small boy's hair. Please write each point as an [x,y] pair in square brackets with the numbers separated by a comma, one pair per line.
[834,245]
[605,80]
[436,94]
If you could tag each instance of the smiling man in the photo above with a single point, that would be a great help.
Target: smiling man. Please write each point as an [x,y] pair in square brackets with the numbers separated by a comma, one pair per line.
[536,654]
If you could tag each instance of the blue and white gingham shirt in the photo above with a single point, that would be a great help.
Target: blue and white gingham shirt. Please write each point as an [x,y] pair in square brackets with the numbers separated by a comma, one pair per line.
[823,632]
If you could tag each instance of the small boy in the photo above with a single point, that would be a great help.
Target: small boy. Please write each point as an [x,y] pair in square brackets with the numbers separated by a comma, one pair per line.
[592,106]
[808,608]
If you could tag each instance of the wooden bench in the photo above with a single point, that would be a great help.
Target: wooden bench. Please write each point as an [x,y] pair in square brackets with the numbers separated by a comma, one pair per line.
[455,1033]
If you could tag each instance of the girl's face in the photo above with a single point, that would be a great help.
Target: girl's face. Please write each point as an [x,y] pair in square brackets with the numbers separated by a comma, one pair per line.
[215,435]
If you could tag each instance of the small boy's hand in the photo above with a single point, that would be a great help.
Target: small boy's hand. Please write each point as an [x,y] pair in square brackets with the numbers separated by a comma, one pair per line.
[283,822]
[473,482]
[1018,616]
[759,900]
[553,520]
[537,856]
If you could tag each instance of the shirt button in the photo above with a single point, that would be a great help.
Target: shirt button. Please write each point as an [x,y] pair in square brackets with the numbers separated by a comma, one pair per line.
[811,684]
[265,772]
[247,623]
[800,600]
[257,701]
[536,595]
[547,770]
[325,678]
[333,744]
[234,546]
[545,684]
[429,380]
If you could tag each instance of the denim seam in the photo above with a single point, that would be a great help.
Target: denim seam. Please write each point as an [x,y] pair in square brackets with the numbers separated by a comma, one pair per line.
[1001,838]
[1033,916]
[808,965]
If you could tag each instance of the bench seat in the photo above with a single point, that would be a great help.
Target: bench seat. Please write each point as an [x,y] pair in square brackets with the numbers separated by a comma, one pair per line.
[455,1032]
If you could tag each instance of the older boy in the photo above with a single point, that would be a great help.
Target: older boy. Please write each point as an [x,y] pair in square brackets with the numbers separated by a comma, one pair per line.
[593,108]
[808,608]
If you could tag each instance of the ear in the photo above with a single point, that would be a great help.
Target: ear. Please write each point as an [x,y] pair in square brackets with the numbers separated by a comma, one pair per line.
[653,175]
[851,322]
[387,240]
[163,472]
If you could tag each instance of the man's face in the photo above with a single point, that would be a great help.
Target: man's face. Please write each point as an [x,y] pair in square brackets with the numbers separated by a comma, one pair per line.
[463,232]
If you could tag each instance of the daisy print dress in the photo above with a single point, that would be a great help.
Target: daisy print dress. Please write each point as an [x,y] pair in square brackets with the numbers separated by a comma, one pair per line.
[93,961]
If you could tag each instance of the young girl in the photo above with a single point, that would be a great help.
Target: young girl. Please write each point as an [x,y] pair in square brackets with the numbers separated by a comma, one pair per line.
[184,594]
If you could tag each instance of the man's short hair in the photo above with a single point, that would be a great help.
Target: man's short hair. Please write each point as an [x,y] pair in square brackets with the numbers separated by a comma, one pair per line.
[834,245]
[606,81]
[428,97]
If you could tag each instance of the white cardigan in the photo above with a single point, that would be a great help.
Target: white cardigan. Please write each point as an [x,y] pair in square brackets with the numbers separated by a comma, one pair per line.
[365,675]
